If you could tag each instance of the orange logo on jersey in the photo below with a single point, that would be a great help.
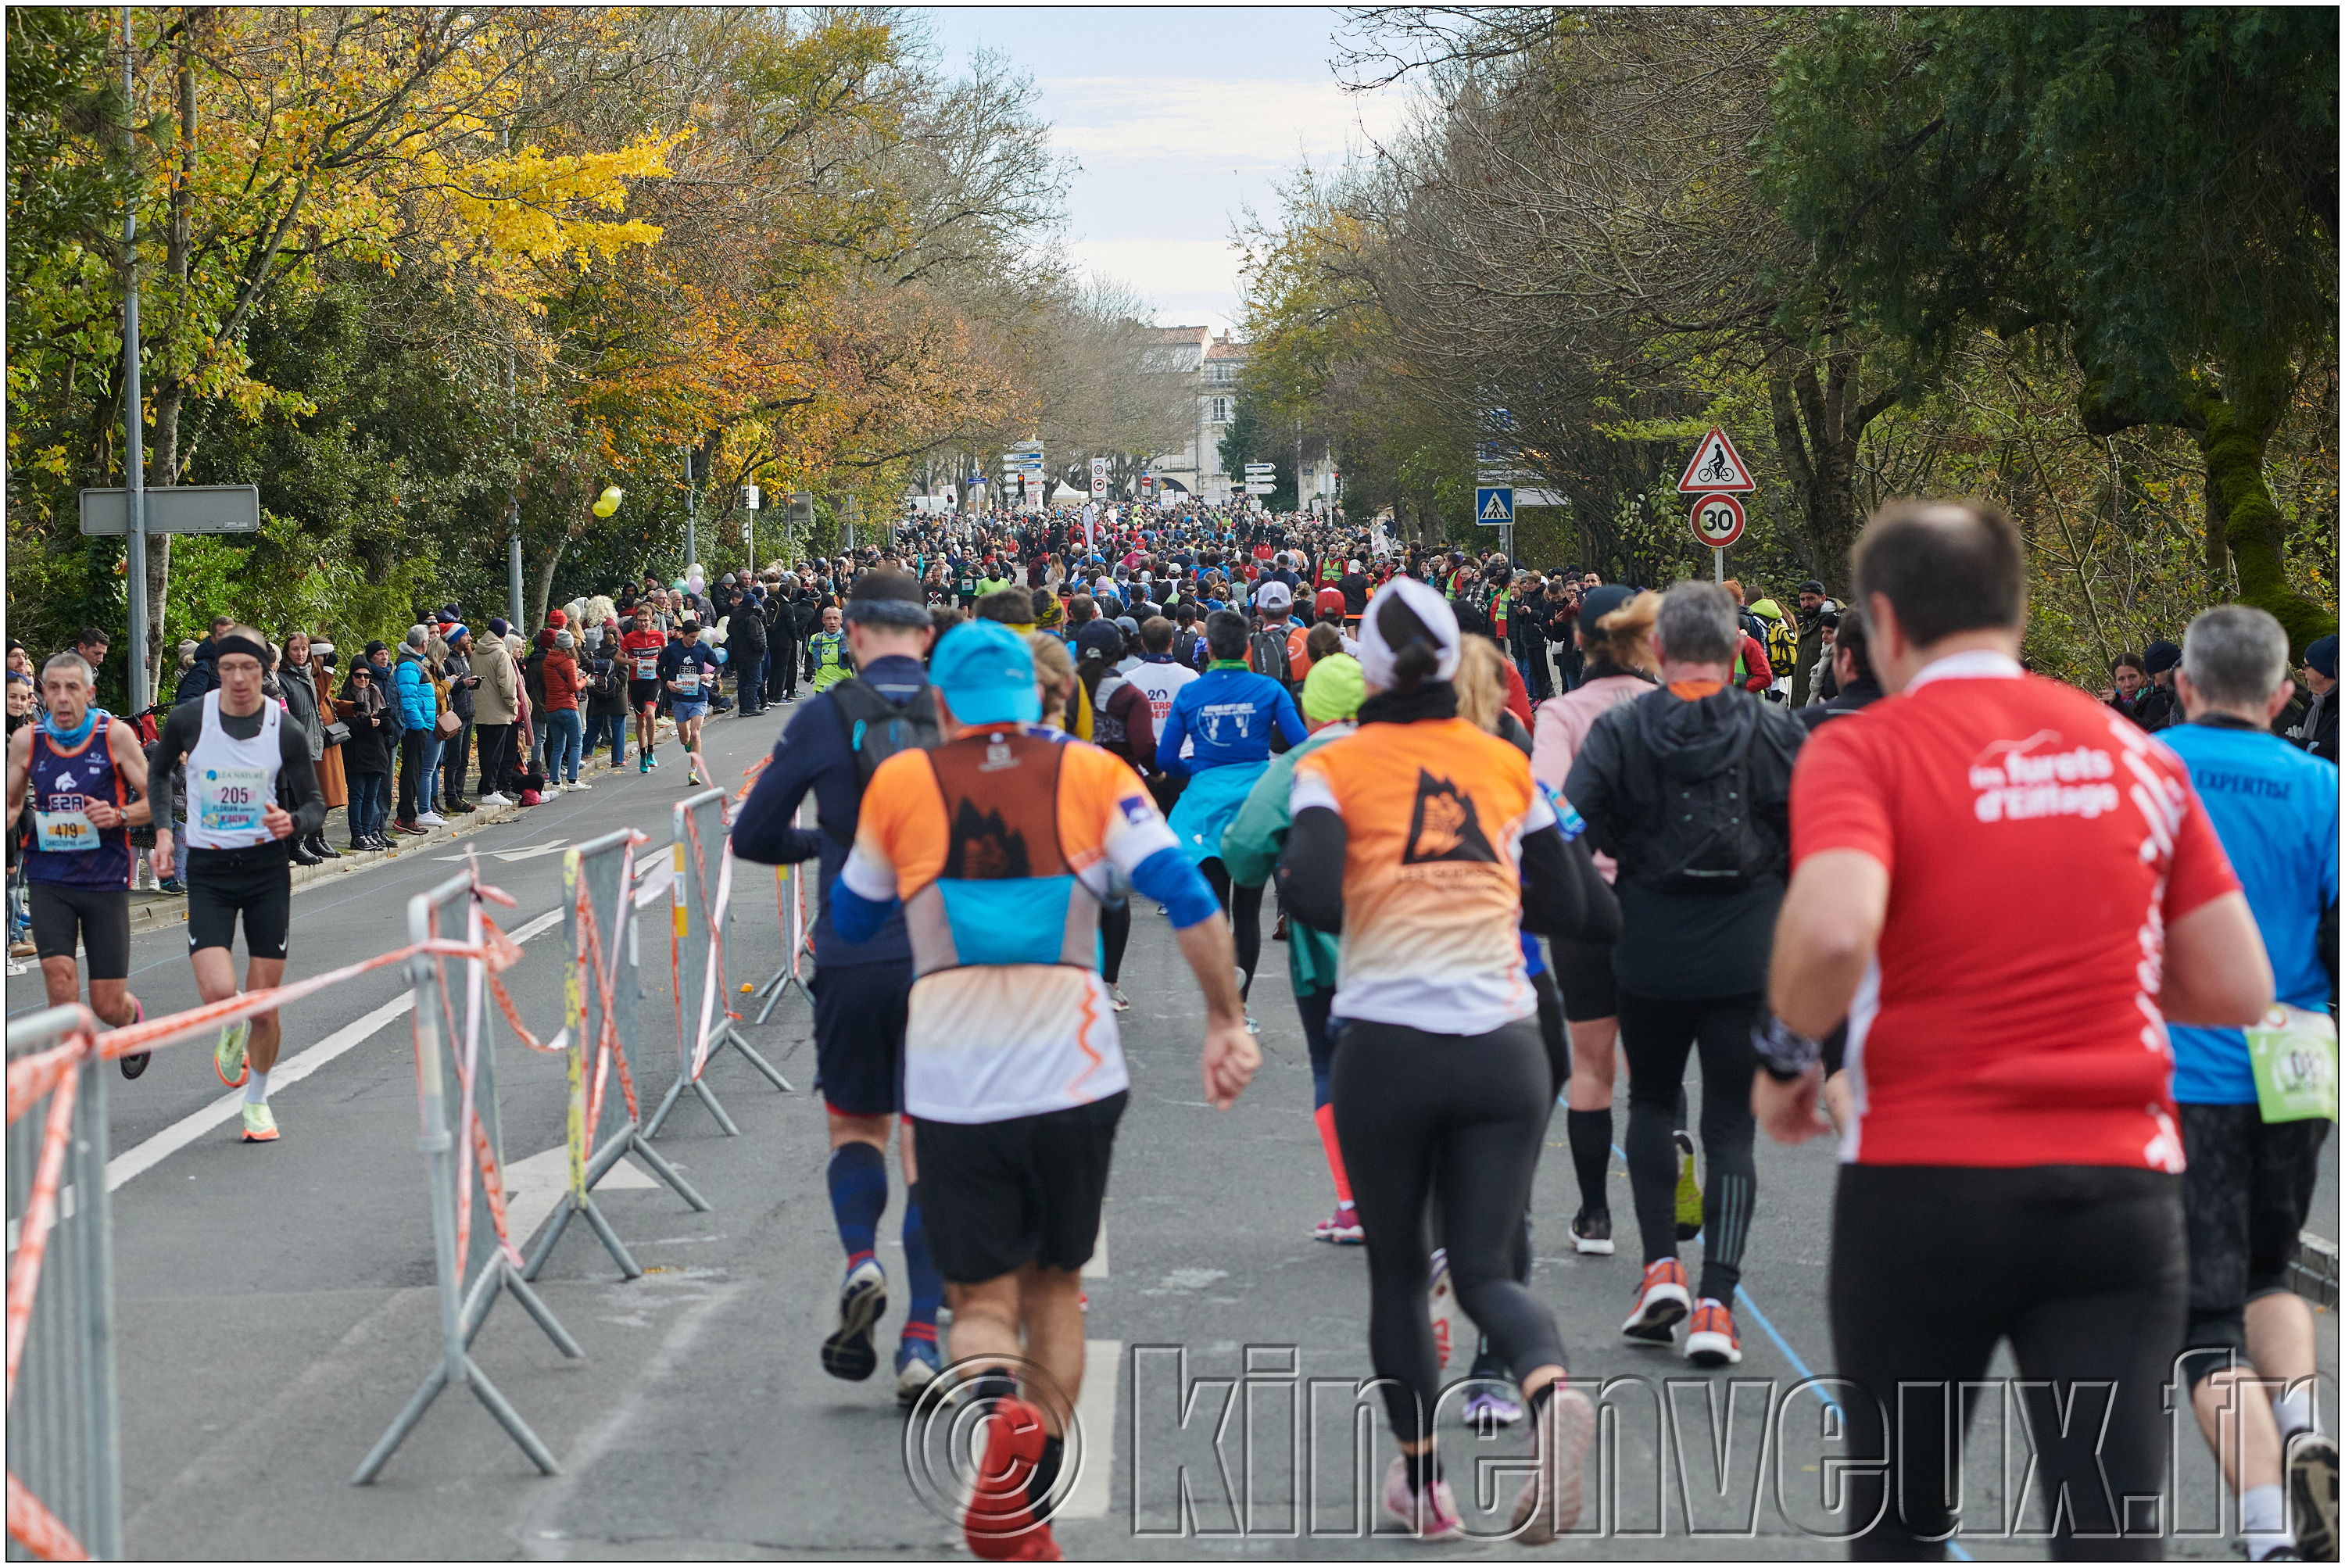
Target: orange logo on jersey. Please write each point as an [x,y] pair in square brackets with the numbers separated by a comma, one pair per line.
[1444,825]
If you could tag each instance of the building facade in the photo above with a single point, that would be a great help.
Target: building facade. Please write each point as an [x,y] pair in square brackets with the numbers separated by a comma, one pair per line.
[1213,361]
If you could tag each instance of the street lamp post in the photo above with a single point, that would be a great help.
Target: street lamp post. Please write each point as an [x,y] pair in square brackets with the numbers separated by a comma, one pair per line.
[134,419]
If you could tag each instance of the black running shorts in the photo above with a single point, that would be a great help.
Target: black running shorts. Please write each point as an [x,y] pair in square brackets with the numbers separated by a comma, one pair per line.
[1000,1194]
[66,918]
[1583,972]
[642,694]
[2246,1191]
[860,1013]
[256,883]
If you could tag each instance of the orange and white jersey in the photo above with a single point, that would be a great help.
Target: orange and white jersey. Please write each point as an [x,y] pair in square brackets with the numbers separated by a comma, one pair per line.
[1001,845]
[1435,812]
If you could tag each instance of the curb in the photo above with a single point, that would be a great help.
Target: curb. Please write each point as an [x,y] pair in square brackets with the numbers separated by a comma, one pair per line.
[150,910]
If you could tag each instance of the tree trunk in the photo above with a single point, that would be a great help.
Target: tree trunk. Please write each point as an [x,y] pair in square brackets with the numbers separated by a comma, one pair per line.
[2232,442]
[1818,424]
[545,587]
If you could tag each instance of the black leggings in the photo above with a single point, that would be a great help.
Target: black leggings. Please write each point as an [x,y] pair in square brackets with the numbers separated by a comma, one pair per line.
[1655,1037]
[2084,1268]
[1243,906]
[1456,1120]
[1116,931]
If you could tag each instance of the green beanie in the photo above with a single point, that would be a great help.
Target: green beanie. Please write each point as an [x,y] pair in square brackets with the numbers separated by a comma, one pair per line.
[1334,689]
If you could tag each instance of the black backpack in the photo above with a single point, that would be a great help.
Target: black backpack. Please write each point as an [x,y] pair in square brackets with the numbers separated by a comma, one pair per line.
[878,729]
[1706,838]
[1266,652]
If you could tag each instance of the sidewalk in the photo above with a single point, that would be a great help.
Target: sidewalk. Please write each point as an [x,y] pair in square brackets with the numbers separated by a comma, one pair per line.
[149,908]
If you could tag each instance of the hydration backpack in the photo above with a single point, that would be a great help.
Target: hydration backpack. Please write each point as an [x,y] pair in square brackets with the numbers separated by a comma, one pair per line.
[878,729]
[1706,838]
[1266,653]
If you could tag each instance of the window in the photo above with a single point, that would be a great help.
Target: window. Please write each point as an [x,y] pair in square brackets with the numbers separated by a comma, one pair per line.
[1219,413]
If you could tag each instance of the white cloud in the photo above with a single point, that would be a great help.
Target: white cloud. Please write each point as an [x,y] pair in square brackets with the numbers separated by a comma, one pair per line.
[1168,271]
[1201,119]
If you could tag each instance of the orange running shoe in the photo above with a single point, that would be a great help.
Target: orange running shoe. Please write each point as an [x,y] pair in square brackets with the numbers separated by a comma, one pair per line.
[1662,1300]
[999,1525]
[1711,1340]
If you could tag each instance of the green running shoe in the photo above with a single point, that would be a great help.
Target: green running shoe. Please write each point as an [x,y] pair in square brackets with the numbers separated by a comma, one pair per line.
[228,1057]
[1689,1190]
[259,1126]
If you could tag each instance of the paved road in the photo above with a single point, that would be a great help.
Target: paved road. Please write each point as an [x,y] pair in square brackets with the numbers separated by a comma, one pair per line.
[276,1305]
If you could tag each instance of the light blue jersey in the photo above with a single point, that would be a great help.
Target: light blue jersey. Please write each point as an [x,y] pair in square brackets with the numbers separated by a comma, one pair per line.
[2275,810]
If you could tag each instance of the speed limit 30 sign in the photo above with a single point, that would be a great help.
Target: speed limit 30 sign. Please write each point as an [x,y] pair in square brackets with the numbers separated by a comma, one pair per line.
[1717,520]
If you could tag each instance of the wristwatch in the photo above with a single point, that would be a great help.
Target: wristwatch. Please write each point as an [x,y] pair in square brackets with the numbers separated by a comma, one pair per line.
[1783,1051]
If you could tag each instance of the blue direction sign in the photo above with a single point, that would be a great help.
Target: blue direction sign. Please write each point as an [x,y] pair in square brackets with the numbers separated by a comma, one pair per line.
[1494,505]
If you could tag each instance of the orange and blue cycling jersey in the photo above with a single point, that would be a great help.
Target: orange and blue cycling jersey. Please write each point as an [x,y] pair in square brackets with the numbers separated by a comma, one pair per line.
[1001,846]
[1434,814]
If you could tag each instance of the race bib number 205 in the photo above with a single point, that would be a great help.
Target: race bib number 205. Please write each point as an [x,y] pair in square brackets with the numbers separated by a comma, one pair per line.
[231,799]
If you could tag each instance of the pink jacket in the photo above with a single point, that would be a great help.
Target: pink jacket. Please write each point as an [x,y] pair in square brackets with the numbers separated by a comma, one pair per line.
[1564,722]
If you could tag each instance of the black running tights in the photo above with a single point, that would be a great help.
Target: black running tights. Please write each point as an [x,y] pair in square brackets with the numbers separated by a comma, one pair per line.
[1243,906]
[1116,931]
[1656,1036]
[1456,1120]
[2084,1270]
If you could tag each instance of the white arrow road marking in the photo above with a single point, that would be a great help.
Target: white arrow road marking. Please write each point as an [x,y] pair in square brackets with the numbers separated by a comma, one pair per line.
[1095,1411]
[534,1188]
[519,853]
[146,1156]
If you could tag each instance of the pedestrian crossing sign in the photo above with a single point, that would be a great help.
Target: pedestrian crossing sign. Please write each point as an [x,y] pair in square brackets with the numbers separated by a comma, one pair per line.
[1494,505]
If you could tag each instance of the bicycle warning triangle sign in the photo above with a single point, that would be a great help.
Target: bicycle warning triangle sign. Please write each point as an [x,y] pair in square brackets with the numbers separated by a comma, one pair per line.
[1716,466]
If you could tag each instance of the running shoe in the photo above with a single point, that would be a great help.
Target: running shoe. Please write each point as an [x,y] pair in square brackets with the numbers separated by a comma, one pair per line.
[999,1525]
[1123,1002]
[1661,1301]
[917,1366]
[1549,1502]
[1430,1515]
[1688,1189]
[173,887]
[1591,1232]
[1490,1407]
[691,777]
[430,819]
[651,758]
[578,784]
[1342,1227]
[2312,1495]
[135,1062]
[496,798]
[228,1057]
[1441,1304]
[848,1353]
[259,1126]
[642,764]
[1711,1340]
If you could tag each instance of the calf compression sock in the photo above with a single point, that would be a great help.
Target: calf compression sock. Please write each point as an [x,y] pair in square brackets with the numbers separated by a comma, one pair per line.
[1326,1117]
[1590,1136]
[928,1285]
[858,1196]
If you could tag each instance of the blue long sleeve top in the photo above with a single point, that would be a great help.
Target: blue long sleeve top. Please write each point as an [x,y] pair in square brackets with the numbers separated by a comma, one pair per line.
[1229,711]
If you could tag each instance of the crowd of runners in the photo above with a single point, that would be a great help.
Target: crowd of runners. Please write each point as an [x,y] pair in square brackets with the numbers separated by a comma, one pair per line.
[2054,982]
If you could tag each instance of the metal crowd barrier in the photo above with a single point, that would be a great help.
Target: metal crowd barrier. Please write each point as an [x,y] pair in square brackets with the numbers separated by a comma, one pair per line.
[704,1023]
[65,1467]
[598,884]
[463,1155]
[798,935]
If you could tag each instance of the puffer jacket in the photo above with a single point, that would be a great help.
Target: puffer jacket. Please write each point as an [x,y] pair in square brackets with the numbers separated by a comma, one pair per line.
[418,704]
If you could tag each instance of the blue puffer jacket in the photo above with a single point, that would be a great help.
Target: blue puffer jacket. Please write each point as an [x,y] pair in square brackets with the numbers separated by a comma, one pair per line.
[418,704]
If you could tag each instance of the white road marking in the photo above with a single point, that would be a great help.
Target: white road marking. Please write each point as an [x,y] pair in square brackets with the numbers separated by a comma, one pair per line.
[534,1188]
[519,852]
[154,1151]
[1095,1413]
[1095,1266]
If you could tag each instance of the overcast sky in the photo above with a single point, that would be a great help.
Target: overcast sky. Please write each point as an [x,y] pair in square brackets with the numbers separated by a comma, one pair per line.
[1179,116]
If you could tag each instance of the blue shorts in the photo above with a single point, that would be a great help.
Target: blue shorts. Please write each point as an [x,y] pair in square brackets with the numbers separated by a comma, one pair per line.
[682,711]
[860,1013]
